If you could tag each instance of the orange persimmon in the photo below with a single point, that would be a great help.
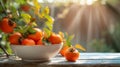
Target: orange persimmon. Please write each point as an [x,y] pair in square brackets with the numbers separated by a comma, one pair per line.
[7,26]
[37,35]
[55,38]
[71,54]
[63,50]
[39,42]
[14,38]
[25,7]
[28,42]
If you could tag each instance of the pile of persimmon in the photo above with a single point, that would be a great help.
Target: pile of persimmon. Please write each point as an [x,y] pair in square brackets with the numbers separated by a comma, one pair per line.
[17,38]
[36,38]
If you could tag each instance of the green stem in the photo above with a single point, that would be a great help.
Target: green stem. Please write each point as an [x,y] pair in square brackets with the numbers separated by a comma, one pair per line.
[4,50]
[2,4]
[3,38]
[25,29]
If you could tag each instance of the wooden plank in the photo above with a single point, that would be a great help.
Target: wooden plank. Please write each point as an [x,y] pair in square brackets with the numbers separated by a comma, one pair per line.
[85,60]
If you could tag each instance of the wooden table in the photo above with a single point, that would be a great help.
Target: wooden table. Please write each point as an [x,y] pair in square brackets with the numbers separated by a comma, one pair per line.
[85,60]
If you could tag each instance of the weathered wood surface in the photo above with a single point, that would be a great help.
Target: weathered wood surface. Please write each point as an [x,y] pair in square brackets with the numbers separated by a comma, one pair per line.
[85,60]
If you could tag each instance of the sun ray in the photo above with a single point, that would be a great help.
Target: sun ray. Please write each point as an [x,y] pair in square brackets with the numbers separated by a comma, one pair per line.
[97,15]
[74,26]
[76,19]
[89,22]
[89,33]
[104,14]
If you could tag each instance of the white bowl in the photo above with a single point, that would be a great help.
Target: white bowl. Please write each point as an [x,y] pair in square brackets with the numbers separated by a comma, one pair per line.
[37,52]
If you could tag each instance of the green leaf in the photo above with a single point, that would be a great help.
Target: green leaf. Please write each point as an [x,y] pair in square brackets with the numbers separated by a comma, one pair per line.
[8,49]
[13,9]
[49,25]
[68,43]
[66,35]
[47,31]
[70,37]
[21,1]
[34,24]
[19,29]
[37,6]
[46,10]
[78,46]
[49,18]
[31,30]
[1,9]
[26,17]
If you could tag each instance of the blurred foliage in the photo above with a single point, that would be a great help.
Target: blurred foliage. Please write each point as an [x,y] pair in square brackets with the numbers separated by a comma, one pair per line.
[4,44]
[112,2]
[100,46]
[116,36]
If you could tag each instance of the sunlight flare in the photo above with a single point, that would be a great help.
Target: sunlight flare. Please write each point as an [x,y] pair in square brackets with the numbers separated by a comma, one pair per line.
[87,2]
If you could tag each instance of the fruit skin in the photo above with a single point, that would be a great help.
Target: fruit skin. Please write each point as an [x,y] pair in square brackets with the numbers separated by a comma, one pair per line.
[55,39]
[25,7]
[28,42]
[72,54]
[39,42]
[36,36]
[14,38]
[63,50]
[0,25]
[6,27]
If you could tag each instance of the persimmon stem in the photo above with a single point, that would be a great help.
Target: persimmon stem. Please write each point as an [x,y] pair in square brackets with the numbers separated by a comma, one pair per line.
[72,49]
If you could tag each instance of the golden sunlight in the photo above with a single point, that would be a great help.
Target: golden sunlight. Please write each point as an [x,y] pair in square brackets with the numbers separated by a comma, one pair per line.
[87,2]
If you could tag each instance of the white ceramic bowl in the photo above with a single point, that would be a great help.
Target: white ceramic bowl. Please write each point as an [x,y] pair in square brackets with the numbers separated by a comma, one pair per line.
[37,52]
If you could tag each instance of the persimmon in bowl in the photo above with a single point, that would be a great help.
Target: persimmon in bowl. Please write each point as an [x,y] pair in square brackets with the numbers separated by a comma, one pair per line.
[36,52]
[35,47]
